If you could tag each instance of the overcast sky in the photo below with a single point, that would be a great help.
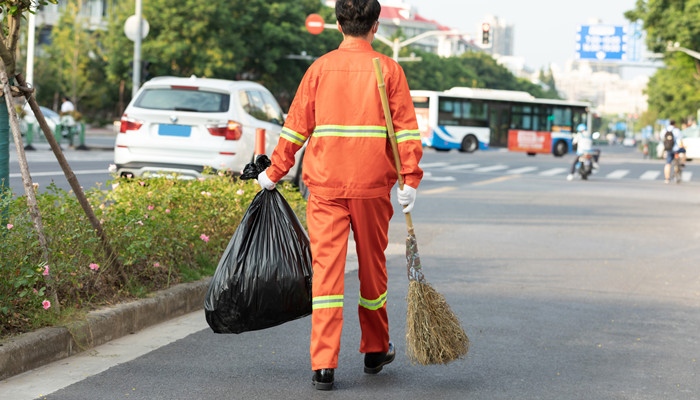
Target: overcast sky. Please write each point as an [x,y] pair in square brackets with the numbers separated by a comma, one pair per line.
[545,30]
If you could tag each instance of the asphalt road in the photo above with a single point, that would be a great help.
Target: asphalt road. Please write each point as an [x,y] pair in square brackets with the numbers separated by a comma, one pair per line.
[567,290]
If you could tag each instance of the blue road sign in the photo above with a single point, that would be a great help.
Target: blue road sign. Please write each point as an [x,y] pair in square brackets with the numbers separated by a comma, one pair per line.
[602,43]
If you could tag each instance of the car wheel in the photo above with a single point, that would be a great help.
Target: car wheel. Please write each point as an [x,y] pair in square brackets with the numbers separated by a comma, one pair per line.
[441,149]
[469,144]
[560,148]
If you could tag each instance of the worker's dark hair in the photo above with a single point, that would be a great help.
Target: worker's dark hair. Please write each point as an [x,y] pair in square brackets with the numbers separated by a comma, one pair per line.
[356,17]
[672,122]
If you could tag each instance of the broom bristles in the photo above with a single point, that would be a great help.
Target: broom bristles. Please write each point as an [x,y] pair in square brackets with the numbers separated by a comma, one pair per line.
[433,332]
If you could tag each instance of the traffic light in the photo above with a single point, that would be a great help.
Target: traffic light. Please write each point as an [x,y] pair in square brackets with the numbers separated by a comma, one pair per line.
[485,31]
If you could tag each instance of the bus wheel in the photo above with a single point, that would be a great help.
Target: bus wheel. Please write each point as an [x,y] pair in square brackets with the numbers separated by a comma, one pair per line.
[531,154]
[441,148]
[560,148]
[469,144]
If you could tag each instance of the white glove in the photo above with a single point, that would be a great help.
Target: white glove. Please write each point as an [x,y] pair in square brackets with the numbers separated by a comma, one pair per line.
[265,182]
[407,197]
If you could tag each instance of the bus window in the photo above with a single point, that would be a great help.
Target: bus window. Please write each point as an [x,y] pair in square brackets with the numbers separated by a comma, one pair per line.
[539,118]
[520,117]
[420,102]
[449,112]
[562,119]
[474,113]
[580,117]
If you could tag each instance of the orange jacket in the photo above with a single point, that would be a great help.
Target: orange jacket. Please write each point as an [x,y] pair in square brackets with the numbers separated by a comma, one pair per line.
[337,108]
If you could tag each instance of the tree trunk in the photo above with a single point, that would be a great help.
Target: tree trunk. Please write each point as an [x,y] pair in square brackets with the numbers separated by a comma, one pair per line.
[27,181]
[74,184]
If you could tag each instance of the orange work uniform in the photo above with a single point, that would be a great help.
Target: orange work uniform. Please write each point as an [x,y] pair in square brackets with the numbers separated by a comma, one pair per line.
[349,169]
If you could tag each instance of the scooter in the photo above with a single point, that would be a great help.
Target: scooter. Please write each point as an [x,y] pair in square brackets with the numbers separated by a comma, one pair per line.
[584,165]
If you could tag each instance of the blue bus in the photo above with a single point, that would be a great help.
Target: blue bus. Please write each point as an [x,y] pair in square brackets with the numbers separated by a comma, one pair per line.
[470,119]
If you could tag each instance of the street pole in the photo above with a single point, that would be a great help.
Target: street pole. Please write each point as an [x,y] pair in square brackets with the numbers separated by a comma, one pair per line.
[31,31]
[136,72]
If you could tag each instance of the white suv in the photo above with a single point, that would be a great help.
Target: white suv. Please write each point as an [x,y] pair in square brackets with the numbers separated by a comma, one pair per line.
[182,125]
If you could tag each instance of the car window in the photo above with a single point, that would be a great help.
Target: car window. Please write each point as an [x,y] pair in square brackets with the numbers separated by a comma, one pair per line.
[183,100]
[692,132]
[261,105]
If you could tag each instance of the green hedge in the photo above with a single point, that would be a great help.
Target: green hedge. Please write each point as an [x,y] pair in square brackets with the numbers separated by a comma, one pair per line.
[164,231]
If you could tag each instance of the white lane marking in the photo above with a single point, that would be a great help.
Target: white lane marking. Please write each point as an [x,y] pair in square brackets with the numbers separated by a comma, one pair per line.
[427,176]
[438,190]
[522,170]
[460,167]
[433,165]
[491,168]
[686,176]
[60,173]
[650,175]
[618,174]
[553,171]
[496,180]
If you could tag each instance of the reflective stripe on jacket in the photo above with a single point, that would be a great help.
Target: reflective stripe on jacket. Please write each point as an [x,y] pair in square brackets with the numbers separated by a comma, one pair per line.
[337,109]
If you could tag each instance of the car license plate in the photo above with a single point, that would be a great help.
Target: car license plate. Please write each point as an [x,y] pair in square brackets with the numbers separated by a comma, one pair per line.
[174,130]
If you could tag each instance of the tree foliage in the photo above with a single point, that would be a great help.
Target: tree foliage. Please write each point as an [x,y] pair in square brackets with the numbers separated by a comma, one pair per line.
[257,40]
[477,70]
[674,91]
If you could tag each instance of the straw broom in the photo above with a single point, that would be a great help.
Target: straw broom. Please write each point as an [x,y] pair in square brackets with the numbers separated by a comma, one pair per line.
[433,332]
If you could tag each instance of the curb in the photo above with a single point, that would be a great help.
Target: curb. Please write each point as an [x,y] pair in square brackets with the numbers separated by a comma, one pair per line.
[35,349]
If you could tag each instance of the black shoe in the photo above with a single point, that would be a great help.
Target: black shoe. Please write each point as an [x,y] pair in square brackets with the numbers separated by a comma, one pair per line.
[323,379]
[375,361]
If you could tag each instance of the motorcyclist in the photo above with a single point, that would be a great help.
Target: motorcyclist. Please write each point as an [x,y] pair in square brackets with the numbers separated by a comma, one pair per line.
[584,144]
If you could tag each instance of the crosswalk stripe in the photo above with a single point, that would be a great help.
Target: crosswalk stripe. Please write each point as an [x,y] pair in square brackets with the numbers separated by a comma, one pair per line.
[650,175]
[522,170]
[491,168]
[460,167]
[618,174]
[427,176]
[553,171]
[433,165]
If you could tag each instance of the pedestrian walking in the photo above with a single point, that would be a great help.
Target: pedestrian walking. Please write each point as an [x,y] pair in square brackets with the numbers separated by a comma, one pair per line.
[349,170]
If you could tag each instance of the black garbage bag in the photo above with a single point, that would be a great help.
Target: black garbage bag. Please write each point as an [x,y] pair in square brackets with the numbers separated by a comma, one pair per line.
[264,276]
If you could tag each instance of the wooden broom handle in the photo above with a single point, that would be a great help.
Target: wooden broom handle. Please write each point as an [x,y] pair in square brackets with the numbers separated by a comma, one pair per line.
[391,133]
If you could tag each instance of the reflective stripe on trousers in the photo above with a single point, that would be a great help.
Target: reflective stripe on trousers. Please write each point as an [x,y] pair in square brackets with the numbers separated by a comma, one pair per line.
[329,222]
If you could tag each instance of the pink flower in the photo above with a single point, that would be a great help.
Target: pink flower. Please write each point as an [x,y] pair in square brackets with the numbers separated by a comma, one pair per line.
[94,266]
[46,270]
[142,183]
[10,226]
[150,208]
[35,291]
[139,222]
[167,210]
[240,192]
[204,237]
[115,185]
[206,193]
[46,304]
[156,264]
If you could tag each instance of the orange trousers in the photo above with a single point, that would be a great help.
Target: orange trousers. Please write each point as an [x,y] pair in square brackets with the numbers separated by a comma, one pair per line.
[329,222]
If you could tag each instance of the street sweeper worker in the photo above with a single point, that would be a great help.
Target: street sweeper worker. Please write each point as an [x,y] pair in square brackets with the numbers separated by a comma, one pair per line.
[349,170]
